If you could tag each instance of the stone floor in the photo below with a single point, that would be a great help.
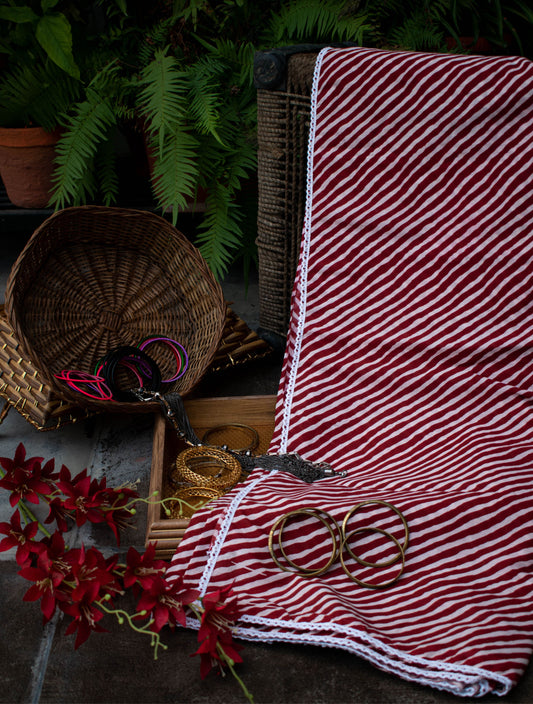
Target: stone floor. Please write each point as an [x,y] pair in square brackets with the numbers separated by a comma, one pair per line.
[40,663]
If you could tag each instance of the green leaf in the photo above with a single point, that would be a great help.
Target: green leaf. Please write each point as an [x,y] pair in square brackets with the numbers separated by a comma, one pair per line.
[163,98]
[18,14]
[36,95]
[54,34]
[76,150]
[47,5]
[221,233]
[176,171]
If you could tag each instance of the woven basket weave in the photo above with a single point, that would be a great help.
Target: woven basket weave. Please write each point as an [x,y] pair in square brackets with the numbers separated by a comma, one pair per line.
[23,388]
[94,278]
[282,134]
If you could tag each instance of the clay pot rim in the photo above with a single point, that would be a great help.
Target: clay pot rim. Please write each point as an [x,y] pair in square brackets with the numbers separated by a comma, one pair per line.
[27,136]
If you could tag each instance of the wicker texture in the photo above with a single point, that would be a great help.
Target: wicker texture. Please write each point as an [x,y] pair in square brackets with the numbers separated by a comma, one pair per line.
[24,389]
[283,127]
[94,278]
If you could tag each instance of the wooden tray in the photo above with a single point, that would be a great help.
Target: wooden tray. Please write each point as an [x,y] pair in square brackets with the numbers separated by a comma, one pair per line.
[206,413]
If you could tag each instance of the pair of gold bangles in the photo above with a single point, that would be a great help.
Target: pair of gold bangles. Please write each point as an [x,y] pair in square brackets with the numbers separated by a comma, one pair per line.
[340,540]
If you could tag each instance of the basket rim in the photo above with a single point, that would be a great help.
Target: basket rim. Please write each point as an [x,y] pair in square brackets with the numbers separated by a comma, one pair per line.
[26,268]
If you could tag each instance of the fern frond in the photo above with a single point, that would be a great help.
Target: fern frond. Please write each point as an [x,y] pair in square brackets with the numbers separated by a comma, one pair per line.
[316,20]
[163,98]
[417,34]
[220,233]
[77,148]
[36,95]
[205,100]
[106,169]
[175,171]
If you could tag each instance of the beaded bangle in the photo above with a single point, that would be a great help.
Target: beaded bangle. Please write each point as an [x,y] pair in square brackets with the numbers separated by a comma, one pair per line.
[227,476]
[252,432]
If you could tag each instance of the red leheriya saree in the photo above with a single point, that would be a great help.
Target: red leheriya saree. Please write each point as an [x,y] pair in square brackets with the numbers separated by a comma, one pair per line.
[409,365]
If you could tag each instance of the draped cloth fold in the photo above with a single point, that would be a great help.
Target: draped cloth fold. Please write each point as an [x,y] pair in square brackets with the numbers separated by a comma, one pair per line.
[409,364]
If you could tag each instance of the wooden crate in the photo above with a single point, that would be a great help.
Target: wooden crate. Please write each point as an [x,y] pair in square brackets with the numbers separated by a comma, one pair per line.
[206,413]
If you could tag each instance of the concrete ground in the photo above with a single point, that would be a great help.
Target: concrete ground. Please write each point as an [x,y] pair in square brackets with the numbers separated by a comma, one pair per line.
[40,664]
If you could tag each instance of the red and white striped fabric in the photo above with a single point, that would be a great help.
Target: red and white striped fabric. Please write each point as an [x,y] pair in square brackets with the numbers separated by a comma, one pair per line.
[409,364]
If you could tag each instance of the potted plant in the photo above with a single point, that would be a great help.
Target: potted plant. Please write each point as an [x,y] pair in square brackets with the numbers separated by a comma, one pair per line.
[190,85]
[39,81]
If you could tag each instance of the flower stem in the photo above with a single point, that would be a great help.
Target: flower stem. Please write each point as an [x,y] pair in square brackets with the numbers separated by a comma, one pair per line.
[31,517]
[229,662]
[198,611]
[124,615]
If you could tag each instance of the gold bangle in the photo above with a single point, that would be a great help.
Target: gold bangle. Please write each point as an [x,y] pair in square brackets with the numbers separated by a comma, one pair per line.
[254,436]
[220,469]
[190,499]
[303,571]
[360,582]
[403,547]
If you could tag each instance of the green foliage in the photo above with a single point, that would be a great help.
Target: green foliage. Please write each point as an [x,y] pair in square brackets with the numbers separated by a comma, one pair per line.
[317,21]
[425,24]
[51,30]
[183,70]
[78,150]
[36,95]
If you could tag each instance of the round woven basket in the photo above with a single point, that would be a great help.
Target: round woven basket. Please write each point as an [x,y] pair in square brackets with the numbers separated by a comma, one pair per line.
[93,278]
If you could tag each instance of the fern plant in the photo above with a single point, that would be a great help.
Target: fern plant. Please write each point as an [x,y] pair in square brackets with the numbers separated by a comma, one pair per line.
[427,25]
[193,92]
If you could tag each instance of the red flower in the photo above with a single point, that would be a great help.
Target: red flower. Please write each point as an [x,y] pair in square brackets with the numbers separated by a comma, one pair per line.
[23,477]
[92,574]
[142,570]
[20,461]
[59,514]
[85,615]
[47,581]
[80,498]
[18,537]
[165,602]
[48,475]
[53,550]
[113,502]
[216,631]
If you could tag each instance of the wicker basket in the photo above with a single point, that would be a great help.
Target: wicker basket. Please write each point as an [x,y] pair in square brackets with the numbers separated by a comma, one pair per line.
[94,278]
[284,82]
[23,388]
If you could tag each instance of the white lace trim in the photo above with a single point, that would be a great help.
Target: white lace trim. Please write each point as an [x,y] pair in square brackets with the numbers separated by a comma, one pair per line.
[302,264]
[225,524]
[462,680]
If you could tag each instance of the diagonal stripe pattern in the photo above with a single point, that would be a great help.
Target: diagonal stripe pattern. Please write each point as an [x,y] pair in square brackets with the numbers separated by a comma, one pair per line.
[409,364]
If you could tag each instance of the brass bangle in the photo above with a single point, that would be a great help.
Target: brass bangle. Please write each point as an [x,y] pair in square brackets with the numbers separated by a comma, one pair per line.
[185,500]
[254,436]
[281,522]
[228,474]
[360,582]
[403,547]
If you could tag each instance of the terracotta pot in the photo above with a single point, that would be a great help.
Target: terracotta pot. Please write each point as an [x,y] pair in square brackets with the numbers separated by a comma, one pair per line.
[26,164]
